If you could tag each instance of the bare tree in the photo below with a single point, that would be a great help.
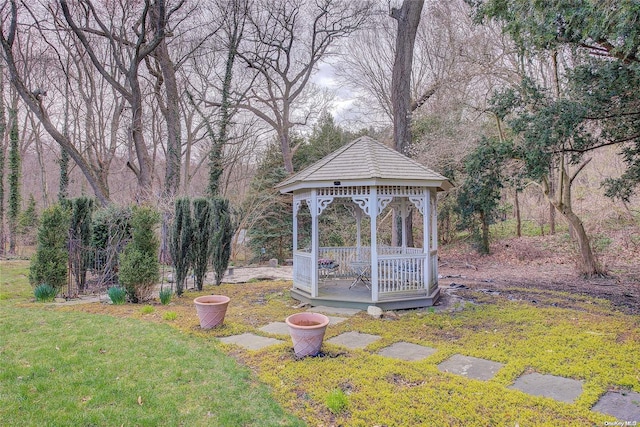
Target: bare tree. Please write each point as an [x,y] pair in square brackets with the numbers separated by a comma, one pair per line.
[408,19]
[33,97]
[283,45]
[147,33]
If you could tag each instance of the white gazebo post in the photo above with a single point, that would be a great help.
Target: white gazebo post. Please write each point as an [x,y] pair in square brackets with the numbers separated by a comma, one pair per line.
[426,236]
[373,214]
[314,242]
[433,251]
[404,213]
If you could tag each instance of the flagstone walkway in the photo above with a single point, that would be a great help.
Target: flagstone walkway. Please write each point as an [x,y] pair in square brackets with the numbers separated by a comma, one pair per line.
[624,406]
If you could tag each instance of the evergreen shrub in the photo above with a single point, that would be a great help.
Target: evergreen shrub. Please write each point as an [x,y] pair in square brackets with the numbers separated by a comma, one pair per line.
[222,232]
[180,242]
[49,263]
[139,266]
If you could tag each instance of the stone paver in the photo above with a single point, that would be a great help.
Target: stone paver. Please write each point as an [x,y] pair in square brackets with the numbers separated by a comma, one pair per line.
[354,340]
[407,351]
[250,341]
[470,367]
[625,406]
[334,320]
[558,388]
[277,328]
[334,310]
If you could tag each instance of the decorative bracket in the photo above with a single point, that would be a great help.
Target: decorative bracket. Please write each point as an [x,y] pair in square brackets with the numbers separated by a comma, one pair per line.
[296,207]
[363,203]
[323,202]
[383,201]
[418,202]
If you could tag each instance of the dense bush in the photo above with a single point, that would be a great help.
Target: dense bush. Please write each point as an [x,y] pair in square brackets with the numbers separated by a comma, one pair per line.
[139,266]
[49,263]
[111,230]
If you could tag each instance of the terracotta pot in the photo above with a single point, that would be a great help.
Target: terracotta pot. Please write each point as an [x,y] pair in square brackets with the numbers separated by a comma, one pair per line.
[211,310]
[307,331]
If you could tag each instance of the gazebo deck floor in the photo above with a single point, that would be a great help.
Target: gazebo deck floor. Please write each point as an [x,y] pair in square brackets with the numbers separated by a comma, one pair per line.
[336,293]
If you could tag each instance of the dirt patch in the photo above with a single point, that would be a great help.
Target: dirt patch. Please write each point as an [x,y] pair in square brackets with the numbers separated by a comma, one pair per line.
[525,268]
[248,274]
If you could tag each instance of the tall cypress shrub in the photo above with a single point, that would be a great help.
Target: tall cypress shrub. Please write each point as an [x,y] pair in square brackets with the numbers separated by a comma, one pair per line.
[222,232]
[80,232]
[201,242]
[49,263]
[180,242]
[139,265]
[14,180]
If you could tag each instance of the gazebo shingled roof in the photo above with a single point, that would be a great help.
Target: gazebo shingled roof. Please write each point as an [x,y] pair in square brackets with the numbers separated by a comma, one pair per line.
[363,160]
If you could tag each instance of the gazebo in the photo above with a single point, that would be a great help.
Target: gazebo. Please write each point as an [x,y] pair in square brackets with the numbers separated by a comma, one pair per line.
[372,182]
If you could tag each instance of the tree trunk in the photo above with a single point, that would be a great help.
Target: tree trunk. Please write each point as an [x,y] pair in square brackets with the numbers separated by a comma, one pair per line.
[143,172]
[216,167]
[408,19]
[484,244]
[287,154]
[516,202]
[3,130]
[172,117]
[590,266]
[14,177]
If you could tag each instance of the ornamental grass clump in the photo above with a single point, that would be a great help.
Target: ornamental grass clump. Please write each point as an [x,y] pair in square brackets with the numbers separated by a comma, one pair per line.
[45,293]
[147,309]
[165,296]
[170,315]
[337,401]
[117,295]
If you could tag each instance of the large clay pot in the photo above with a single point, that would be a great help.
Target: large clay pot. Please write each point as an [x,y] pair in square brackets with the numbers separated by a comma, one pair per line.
[211,310]
[307,331]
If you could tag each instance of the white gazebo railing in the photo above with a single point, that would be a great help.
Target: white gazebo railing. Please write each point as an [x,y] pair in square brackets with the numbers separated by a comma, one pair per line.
[400,273]
[302,271]
[400,270]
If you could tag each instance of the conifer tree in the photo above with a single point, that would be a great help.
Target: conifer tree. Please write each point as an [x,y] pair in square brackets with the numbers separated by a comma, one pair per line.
[80,231]
[201,242]
[180,242]
[49,263]
[14,180]
[139,266]
[221,235]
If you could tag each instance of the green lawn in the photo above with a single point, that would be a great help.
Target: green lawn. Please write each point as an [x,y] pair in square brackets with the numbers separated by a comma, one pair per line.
[79,369]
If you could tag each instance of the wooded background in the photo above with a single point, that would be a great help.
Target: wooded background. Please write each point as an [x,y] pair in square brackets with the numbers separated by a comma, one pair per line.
[531,111]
